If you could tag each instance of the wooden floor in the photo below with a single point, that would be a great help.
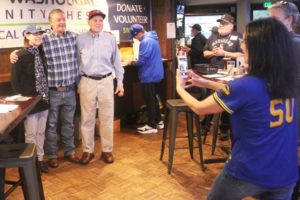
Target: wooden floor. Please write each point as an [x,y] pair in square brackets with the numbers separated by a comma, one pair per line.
[137,172]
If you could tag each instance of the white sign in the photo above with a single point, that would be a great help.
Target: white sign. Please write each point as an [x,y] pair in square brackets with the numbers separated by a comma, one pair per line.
[16,15]
[171,30]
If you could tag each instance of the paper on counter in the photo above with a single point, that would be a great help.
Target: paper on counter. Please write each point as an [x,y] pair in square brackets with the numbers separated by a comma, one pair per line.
[214,75]
[226,78]
[5,108]
[17,97]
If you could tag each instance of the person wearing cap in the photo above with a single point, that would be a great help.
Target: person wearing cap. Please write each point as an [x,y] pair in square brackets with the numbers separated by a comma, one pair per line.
[197,45]
[224,44]
[28,78]
[150,72]
[99,63]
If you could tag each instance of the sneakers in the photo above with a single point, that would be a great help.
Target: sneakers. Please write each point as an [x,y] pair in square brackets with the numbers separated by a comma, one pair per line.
[146,130]
[160,125]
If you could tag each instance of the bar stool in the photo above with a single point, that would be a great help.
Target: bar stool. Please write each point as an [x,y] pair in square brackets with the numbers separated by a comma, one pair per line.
[173,107]
[22,156]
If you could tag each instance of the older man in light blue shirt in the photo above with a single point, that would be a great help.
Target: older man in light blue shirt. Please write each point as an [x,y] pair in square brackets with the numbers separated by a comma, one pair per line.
[99,63]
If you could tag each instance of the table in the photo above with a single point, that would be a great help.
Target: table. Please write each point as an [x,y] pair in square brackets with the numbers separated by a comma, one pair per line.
[8,121]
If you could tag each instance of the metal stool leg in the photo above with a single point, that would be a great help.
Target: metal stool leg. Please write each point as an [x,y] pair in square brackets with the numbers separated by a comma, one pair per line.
[198,132]
[2,182]
[189,116]
[32,181]
[165,132]
[24,189]
[215,133]
[172,131]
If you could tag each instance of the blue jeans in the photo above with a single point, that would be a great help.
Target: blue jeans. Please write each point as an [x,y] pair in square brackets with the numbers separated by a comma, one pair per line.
[226,187]
[62,105]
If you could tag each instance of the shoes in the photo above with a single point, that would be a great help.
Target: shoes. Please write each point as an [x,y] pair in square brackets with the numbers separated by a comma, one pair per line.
[53,162]
[72,158]
[43,167]
[224,136]
[160,125]
[147,130]
[86,158]
[107,157]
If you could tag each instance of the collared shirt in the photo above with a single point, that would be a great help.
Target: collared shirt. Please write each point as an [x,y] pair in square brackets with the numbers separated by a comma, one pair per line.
[61,56]
[99,55]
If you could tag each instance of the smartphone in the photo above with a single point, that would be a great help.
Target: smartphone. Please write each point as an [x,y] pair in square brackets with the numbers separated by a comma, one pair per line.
[183,66]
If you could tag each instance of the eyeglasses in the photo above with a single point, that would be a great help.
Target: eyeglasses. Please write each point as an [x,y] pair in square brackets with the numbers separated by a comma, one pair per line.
[285,3]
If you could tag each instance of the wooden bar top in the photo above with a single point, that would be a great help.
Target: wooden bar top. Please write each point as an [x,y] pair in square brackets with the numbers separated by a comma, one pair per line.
[8,121]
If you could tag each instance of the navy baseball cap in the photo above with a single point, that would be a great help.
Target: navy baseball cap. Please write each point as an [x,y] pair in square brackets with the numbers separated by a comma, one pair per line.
[94,13]
[135,29]
[34,29]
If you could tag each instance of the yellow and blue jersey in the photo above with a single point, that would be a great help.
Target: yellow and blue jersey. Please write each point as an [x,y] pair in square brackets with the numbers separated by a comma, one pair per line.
[265,133]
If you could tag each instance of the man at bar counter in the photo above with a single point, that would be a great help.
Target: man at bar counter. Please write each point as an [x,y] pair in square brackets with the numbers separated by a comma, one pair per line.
[151,72]
[60,51]
[99,61]
[218,46]
[195,51]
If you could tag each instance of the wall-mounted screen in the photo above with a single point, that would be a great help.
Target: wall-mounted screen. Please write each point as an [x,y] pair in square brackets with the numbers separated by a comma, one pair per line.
[205,21]
[257,14]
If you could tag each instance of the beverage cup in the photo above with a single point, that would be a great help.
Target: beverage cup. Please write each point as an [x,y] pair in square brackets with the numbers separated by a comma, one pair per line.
[226,60]
[230,67]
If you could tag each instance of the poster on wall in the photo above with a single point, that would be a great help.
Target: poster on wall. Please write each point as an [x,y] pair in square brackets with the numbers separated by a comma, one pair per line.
[15,15]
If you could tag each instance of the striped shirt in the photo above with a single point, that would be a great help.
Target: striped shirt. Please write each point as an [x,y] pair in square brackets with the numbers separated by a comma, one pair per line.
[61,56]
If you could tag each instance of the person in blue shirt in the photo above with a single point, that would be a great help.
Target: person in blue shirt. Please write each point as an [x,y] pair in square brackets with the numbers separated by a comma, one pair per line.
[150,72]
[263,161]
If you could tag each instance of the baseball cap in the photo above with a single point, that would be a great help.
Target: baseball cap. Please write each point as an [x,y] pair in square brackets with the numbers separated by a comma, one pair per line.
[34,29]
[226,18]
[197,27]
[135,29]
[94,13]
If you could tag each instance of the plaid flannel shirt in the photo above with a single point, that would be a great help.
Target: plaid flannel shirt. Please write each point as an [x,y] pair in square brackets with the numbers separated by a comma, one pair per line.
[61,56]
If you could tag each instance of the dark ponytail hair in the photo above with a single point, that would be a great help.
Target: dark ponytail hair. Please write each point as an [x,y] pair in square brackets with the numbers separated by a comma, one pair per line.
[271,56]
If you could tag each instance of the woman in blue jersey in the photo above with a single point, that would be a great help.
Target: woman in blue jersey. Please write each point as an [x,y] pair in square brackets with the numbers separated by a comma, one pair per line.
[263,162]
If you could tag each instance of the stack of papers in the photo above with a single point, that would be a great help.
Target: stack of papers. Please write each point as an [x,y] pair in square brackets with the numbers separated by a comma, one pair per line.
[5,108]
[17,97]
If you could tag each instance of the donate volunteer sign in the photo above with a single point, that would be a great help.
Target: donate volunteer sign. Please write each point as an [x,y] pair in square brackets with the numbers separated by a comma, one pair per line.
[15,15]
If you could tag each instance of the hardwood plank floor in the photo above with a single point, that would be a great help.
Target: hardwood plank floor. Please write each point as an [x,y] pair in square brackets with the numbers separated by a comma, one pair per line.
[137,172]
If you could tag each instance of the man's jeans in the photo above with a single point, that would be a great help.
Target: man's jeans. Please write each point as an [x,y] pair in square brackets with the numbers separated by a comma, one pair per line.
[227,187]
[62,106]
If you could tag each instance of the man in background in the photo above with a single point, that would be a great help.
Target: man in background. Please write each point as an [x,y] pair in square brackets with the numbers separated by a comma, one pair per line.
[197,45]
[99,59]
[218,46]
[151,72]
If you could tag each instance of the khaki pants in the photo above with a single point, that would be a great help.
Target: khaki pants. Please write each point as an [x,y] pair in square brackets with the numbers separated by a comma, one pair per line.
[93,93]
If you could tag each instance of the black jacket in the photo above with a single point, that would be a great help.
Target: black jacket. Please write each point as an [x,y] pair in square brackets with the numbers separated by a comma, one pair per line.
[23,78]
[197,46]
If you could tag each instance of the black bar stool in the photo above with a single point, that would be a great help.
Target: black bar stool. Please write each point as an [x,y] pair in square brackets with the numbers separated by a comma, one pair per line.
[22,156]
[173,107]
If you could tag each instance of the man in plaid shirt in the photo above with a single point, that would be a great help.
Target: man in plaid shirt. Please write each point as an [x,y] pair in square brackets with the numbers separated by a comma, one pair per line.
[61,55]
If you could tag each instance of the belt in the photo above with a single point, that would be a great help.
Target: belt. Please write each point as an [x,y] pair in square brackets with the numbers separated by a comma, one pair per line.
[97,77]
[63,88]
